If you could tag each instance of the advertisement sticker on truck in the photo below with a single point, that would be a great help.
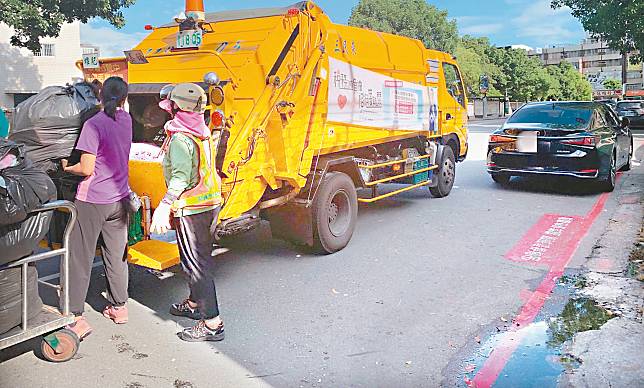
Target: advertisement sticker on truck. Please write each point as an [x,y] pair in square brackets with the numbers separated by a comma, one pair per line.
[362,97]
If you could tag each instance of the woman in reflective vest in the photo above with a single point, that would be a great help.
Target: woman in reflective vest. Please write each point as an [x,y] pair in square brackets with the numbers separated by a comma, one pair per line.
[191,205]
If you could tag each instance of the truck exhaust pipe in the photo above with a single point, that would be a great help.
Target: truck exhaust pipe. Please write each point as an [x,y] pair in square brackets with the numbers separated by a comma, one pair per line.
[195,9]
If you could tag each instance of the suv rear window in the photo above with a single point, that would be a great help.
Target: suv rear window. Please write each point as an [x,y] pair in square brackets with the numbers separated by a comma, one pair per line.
[554,115]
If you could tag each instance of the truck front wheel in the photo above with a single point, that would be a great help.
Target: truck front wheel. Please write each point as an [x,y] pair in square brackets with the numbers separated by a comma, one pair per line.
[445,174]
[335,210]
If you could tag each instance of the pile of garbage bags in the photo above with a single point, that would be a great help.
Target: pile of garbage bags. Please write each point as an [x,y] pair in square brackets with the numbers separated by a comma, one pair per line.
[49,123]
[23,189]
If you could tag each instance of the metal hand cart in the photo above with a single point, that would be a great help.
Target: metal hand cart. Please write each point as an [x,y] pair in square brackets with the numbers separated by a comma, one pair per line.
[58,344]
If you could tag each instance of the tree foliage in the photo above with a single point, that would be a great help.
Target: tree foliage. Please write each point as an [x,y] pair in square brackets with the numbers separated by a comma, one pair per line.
[570,84]
[412,18]
[472,56]
[612,84]
[619,22]
[522,77]
[35,19]
[525,78]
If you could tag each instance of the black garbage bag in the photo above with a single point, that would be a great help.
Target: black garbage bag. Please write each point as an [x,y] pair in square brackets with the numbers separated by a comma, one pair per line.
[23,187]
[49,123]
[11,297]
[21,239]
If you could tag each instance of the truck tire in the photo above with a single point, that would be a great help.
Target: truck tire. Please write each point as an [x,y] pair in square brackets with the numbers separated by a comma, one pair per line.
[445,174]
[335,211]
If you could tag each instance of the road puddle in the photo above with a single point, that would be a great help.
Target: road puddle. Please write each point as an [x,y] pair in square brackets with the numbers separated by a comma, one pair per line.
[537,357]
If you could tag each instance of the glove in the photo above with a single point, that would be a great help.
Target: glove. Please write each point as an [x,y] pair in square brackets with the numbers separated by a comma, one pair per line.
[161,219]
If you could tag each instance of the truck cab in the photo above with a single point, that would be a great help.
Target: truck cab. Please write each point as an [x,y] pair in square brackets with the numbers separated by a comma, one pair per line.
[452,101]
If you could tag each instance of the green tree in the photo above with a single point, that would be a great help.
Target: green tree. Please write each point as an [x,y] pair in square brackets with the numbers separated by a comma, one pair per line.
[474,61]
[612,84]
[471,68]
[570,84]
[35,19]
[619,22]
[473,65]
[555,93]
[523,78]
[412,18]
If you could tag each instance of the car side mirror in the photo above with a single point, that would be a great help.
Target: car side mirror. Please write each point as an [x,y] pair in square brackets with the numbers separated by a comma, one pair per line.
[625,122]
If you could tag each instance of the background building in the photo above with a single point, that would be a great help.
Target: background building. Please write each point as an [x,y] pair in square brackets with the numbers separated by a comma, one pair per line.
[23,73]
[594,59]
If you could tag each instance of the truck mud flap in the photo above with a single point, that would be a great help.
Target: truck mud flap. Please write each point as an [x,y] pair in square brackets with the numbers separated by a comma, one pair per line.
[291,222]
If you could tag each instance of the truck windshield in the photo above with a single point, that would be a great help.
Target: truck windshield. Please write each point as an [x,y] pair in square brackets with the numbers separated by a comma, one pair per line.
[553,115]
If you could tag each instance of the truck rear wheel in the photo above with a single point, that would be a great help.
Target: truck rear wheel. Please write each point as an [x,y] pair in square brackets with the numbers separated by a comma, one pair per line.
[335,210]
[446,173]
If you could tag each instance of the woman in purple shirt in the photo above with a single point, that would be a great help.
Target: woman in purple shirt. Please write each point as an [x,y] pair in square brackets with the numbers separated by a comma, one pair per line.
[102,203]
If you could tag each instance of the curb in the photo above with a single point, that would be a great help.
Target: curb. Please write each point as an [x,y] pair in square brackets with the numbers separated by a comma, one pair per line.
[610,356]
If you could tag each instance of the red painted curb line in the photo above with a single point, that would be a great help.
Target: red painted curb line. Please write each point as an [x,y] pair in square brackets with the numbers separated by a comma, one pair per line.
[552,241]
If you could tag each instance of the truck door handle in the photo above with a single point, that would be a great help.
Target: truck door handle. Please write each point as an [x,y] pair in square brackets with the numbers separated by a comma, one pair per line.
[448,116]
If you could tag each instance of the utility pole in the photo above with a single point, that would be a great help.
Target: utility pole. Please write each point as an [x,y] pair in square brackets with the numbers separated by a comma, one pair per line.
[624,68]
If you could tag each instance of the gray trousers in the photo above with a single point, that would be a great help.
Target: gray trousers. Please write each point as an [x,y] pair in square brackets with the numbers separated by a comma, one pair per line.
[110,222]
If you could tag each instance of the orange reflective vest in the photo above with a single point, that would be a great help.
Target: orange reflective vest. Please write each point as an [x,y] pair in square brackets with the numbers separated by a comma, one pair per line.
[207,192]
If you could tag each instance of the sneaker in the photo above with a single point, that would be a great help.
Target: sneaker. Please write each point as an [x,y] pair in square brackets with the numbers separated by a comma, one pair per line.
[183,309]
[116,314]
[80,327]
[201,332]
[219,250]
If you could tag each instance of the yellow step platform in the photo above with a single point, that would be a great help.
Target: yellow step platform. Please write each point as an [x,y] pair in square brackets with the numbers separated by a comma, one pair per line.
[154,254]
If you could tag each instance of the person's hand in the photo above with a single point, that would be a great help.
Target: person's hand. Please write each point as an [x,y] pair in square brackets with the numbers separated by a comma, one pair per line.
[161,219]
[64,163]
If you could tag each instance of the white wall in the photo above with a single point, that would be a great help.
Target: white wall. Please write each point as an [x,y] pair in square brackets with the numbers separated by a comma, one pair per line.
[22,72]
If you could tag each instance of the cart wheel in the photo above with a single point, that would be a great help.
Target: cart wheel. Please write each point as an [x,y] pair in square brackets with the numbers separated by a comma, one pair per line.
[68,344]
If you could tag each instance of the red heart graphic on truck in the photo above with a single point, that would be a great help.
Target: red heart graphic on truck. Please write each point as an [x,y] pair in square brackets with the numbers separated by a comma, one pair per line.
[342,101]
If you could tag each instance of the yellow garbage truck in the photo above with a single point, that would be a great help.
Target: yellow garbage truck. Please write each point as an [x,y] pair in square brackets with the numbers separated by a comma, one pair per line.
[312,118]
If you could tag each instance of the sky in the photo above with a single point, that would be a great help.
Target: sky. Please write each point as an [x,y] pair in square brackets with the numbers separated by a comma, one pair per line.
[505,22]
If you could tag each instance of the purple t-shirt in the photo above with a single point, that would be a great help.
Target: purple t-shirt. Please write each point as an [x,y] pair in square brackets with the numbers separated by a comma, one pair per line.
[110,141]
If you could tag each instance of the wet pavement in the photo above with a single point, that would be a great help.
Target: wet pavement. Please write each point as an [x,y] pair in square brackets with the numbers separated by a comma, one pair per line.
[539,359]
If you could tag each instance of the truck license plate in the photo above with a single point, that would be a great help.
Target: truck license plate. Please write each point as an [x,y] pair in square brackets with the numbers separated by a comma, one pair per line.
[189,39]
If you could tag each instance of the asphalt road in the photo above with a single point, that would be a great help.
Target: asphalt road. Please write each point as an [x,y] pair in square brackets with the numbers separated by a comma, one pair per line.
[420,279]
